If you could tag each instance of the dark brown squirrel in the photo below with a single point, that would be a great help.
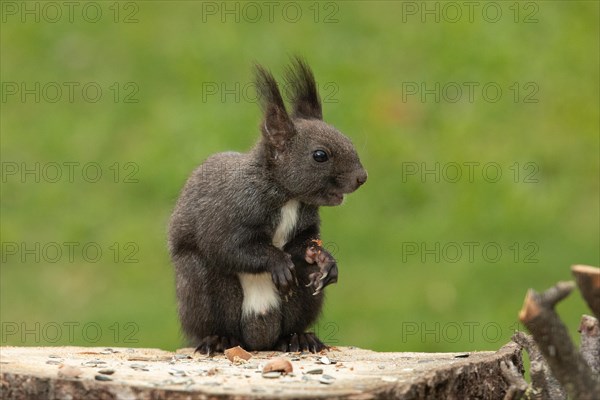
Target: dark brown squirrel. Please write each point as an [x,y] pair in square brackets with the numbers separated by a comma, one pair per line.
[244,235]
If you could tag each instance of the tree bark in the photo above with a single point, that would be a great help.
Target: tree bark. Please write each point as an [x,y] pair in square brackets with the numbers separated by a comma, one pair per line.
[589,328]
[543,384]
[518,385]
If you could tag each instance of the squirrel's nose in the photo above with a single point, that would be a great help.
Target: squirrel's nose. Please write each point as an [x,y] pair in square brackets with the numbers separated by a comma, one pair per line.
[361,178]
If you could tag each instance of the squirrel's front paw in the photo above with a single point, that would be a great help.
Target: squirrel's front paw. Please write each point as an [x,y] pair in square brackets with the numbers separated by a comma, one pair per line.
[283,274]
[325,276]
[328,270]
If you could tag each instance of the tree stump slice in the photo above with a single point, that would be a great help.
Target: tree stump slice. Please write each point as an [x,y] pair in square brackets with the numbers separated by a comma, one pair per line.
[85,372]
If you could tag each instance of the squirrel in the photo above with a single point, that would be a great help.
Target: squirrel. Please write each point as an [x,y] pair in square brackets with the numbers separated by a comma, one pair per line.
[244,235]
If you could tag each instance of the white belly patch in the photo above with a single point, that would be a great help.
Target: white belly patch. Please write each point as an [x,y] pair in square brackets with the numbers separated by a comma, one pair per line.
[260,293]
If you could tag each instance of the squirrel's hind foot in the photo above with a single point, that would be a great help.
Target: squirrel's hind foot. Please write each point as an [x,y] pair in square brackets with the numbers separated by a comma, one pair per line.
[214,344]
[300,342]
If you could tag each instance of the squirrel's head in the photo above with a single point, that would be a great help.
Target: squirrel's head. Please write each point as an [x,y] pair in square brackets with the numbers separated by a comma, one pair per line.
[309,158]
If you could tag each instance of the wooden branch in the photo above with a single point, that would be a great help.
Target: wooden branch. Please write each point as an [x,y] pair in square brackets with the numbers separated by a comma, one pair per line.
[588,281]
[543,384]
[553,340]
[518,385]
[589,328]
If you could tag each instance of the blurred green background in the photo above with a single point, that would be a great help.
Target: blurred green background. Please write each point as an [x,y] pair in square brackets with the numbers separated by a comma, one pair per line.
[174,78]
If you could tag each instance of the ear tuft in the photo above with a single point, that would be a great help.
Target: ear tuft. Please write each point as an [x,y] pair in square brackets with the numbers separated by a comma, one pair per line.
[304,93]
[267,89]
[277,126]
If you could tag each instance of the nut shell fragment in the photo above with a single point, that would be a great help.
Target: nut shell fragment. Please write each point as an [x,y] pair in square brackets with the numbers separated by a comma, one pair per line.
[237,351]
[279,365]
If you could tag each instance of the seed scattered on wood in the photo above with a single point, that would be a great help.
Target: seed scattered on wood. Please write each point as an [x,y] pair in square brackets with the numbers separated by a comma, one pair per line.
[139,367]
[93,363]
[149,358]
[324,360]
[106,371]
[53,356]
[271,375]
[53,362]
[462,356]
[279,365]
[102,378]
[316,371]
[327,379]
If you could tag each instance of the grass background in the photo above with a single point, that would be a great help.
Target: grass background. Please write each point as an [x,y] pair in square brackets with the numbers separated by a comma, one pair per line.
[368,52]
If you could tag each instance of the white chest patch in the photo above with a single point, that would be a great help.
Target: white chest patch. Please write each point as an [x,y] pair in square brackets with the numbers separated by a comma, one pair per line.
[260,293]
[287,223]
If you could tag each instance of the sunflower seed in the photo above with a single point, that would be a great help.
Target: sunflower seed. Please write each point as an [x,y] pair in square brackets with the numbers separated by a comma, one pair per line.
[94,363]
[177,372]
[324,360]
[139,367]
[106,371]
[316,371]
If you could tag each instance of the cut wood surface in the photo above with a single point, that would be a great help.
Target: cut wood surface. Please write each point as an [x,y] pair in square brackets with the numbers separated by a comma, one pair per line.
[342,373]
[588,280]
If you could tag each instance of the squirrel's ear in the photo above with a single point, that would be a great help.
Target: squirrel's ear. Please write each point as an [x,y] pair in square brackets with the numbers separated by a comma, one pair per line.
[305,96]
[277,127]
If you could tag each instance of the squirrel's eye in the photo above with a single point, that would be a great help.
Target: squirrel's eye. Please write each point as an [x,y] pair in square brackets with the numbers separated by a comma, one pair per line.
[320,156]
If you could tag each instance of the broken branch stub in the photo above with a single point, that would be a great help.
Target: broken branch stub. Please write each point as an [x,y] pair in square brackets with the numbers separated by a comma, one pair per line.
[588,281]
[552,338]
[544,385]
